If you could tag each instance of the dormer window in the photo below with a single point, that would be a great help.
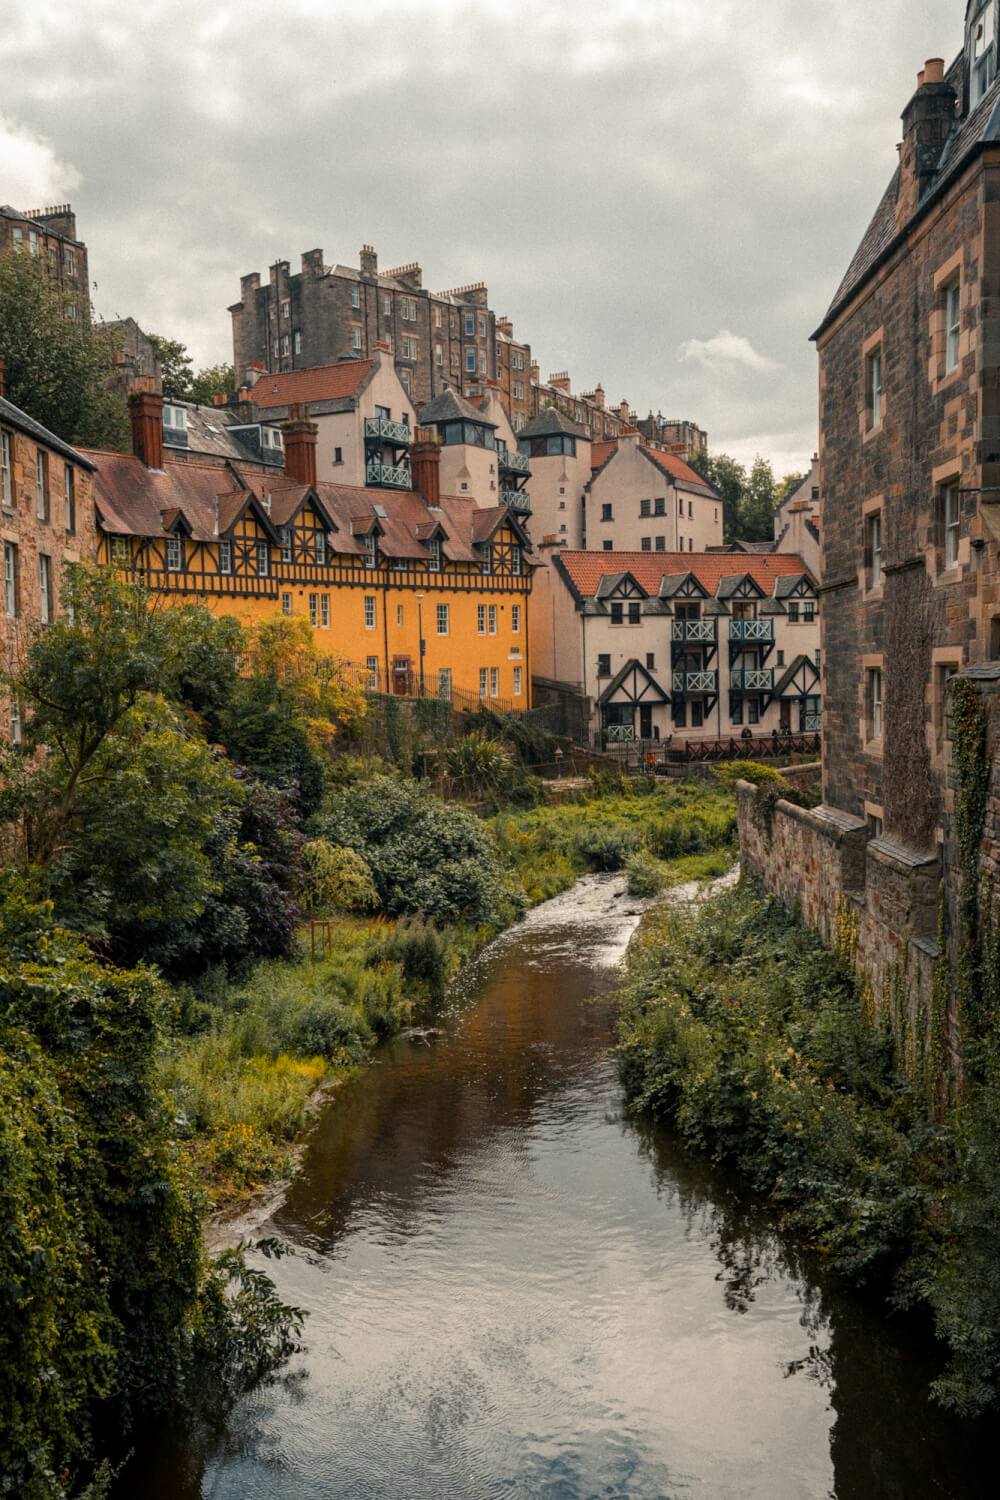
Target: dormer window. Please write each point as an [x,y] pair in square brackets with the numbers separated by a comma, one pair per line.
[434,548]
[176,418]
[319,548]
[982,60]
[285,538]
[371,544]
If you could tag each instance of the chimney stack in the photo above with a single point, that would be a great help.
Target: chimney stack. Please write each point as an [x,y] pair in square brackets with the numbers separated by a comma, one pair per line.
[145,408]
[300,447]
[927,122]
[425,465]
[369,261]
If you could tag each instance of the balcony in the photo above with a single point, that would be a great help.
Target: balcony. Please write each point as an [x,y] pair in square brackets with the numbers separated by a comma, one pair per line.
[813,724]
[751,679]
[751,630]
[384,431]
[387,476]
[698,632]
[518,500]
[694,684]
[512,463]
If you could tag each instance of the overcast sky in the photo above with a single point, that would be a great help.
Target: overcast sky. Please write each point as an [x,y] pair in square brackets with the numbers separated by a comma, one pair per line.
[661,194]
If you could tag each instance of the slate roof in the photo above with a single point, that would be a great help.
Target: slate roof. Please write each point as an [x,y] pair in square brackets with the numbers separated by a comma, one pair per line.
[979,128]
[785,587]
[322,383]
[15,417]
[213,430]
[585,570]
[550,422]
[132,500]
[449,406]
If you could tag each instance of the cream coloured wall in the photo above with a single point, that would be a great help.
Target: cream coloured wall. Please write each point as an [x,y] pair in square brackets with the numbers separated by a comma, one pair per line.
[690,521]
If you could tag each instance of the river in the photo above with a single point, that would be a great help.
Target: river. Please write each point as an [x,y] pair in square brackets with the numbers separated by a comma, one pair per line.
[517,1292]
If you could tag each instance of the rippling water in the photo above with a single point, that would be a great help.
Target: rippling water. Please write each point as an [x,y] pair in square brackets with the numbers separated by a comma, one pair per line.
[515,1293]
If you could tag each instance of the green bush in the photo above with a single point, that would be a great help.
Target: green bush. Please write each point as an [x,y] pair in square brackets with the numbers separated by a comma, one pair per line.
[338,879]
[646,876]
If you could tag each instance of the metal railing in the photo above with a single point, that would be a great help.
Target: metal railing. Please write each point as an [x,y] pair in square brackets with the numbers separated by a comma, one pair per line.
[513,463]
[397,476]
[694,682]
[751,630]
[518,500]
[387,431]
[813,723]
[751,679]
[693,630]
[768,747]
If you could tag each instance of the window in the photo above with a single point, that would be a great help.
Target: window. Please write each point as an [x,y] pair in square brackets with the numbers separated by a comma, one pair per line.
[285,538]
[286,344]
[650,660]
[409,348]
[355,338]
[808,611]
[952,324]
[70,262]
[486,566]
[634,612]
[950,521]
[781,658]
[515,561]
[442,619]
[493,619]
[324,610]
[399,614]
[69,491]
[33,242]
[438,355]
[6,472]
[874,389]
[983,60]
[371,663]
[617,612]
[286,603]
[481,619]
[608,543]
[482,363]
[338,455]
[175,554]
[42,495]
[606,513]
[454,359]
[690,543]
[355,296]
[604,664]
[45,587]
[643,508]
[517,681]
[444,683]
[494,681]
[753,710]
[515,619]
[680,543]
[793,611]
[369,611]
[646,543]
[313,609]
[690,511]
[482,682]
[225,557]
[482,326]
[404,380]
[875,703]
[319,548]
[680,505]
[263,559]
[297,341]
[387,304]
[661,544]
[176,417]
[873,548]
[15,722]
[371,549]
[470,325]
[470,361]
[434,560]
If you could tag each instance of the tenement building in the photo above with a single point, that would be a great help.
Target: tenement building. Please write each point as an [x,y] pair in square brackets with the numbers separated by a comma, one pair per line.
[909,354]
[46,522]
[49,236]
[698,646]
[420,590]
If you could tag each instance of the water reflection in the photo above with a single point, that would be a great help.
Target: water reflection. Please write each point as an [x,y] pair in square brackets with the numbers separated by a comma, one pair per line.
[516,1292]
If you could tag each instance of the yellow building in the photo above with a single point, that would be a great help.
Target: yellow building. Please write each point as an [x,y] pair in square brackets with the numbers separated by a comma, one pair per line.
[376,571]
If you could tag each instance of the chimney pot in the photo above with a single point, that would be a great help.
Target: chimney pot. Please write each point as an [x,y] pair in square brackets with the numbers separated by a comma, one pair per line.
[300,447]
[933,70]
[145,409]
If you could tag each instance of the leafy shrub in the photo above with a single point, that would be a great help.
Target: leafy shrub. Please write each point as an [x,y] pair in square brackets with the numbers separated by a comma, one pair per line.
[477,761]
[646,876]
[425,856]
[327,1027]
[339,879]
[420,951]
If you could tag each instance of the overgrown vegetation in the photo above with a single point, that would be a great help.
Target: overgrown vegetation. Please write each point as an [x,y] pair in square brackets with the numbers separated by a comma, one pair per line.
[763,1048]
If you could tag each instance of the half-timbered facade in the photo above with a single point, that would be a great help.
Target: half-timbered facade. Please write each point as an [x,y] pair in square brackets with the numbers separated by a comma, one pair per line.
[375,572]
[707,646]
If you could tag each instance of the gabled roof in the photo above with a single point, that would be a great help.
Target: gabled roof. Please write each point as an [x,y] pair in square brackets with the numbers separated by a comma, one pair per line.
[322,383]
[787,587]
[672,584]
[585,570]
[790,672]
[131,500]
[612,582]
[13,416]
[679,471]
[549,423]
[728,585]
[215,431]
[634,665]
[449,406]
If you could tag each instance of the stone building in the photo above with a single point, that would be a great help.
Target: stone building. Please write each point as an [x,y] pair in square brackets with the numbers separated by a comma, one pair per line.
[909,353]
[323,314]
[702,646]
[641,499]
[686,439]
[46,522]
[514,374]
[136,365]
[49,234]
[478,452]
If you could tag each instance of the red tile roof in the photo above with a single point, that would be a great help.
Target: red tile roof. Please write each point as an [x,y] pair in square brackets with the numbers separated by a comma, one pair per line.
[586,569]
[676,468]
[323,383]
[601,452]
[132,500]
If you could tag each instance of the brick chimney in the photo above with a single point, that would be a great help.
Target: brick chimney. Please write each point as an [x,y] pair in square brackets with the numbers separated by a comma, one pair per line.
[927,121]
[369,261]
[425,465]
[145,408]
[300,447]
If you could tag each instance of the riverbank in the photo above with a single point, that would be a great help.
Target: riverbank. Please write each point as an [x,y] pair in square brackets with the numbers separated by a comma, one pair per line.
[759,1046]
[256,1057]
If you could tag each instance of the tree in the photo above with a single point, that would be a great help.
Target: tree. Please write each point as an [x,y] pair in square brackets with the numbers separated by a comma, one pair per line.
[729,478]
[57,361]
[206,385]
[175,367]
